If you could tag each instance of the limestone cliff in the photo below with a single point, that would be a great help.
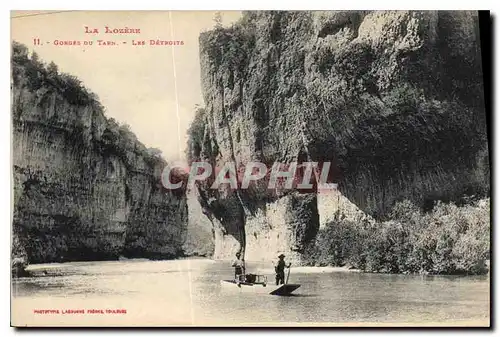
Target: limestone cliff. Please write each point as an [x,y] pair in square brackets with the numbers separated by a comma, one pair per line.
[200,234]
[84,187]
[394,99]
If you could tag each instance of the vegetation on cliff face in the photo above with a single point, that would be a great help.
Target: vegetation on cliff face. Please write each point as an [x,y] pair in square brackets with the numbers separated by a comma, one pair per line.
[84,187]
[196,136]
[38,76]
[31,73]
[450,239]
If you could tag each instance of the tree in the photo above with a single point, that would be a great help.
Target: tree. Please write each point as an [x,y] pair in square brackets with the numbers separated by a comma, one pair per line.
[52,68]
[218,20]
[125,128]
[19,51]
[154,152]
[128,137]
[36,59]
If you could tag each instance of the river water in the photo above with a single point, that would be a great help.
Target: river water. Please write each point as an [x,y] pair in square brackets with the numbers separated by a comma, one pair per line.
[188,292]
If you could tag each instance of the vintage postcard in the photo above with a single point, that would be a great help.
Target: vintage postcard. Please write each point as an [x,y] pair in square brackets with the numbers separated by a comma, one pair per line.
[250,168]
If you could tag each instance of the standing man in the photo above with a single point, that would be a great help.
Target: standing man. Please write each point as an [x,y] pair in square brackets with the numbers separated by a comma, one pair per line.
[239,268]
[280,270]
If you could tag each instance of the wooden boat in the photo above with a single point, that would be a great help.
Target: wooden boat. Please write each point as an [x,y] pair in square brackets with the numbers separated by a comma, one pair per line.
[280,290]
[260,286]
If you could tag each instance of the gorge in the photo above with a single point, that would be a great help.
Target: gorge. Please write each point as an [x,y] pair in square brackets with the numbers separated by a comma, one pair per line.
[393,99]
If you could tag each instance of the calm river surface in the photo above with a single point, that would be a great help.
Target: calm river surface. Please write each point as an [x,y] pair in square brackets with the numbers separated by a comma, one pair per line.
[188,292]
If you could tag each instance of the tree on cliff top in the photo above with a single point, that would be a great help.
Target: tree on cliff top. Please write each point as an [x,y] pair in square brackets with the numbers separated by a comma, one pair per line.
[218,20]
[19,52]
[154,152]
[52,68]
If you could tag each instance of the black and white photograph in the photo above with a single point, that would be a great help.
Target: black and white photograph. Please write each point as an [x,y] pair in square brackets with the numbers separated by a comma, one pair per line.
[278,168]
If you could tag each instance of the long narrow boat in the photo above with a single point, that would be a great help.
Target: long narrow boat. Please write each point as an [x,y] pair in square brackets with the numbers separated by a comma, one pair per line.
[260,287]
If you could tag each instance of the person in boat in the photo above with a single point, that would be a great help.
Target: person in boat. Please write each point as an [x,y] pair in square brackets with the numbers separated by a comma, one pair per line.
[239,268]
[279,268]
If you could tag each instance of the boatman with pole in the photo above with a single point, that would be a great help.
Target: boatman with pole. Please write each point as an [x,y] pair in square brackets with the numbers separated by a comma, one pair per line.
[280,270]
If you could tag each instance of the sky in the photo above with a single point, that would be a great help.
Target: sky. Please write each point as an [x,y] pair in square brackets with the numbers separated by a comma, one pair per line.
[154,89]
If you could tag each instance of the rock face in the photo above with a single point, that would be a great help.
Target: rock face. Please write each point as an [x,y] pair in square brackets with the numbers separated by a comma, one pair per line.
[84,187]
[333,206]
[393,99]
[200,234]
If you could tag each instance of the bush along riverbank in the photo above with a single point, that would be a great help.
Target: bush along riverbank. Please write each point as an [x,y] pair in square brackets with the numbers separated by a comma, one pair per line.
[449,239]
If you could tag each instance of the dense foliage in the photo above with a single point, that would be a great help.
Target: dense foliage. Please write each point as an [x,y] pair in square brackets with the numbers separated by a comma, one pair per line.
[39,75]
[450,239]
[225,45]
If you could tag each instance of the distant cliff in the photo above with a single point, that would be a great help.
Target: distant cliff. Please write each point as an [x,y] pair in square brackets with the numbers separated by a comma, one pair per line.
[200,236]
[394,99]
[84,187]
